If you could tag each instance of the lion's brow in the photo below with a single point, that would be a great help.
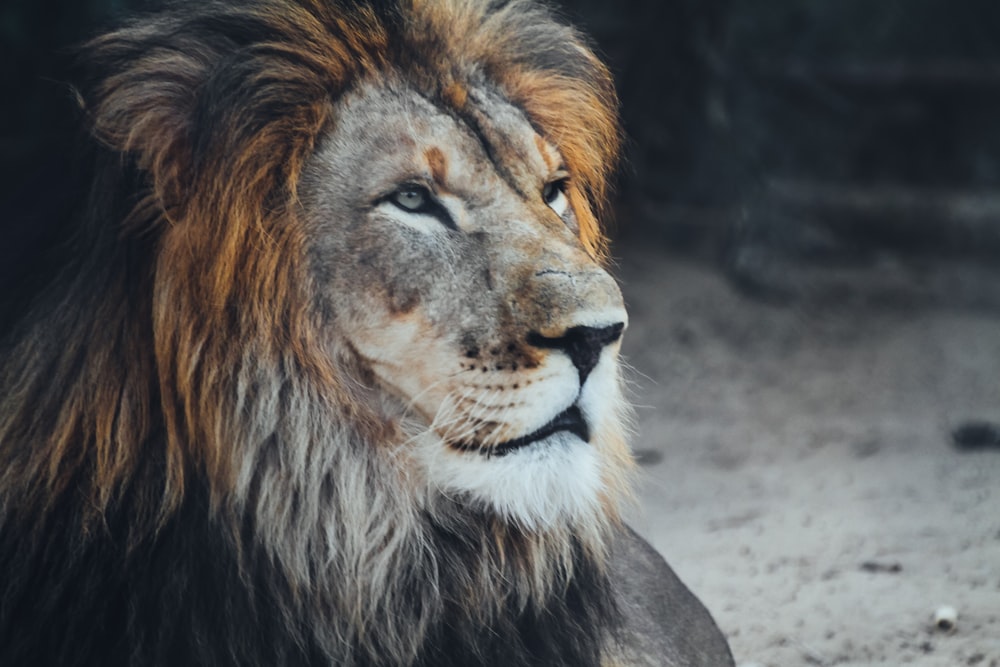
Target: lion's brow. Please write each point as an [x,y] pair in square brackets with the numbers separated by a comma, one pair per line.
[467,116]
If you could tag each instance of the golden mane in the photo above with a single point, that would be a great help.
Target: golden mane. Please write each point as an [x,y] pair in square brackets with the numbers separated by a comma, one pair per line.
[215,108]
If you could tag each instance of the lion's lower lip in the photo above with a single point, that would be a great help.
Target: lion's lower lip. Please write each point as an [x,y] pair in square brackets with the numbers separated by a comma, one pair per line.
[569,420]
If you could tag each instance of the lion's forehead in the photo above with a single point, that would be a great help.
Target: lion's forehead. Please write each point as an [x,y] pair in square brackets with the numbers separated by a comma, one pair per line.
[477,151]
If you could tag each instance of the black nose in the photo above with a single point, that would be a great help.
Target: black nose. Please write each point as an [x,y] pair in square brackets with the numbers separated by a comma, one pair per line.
[582,344]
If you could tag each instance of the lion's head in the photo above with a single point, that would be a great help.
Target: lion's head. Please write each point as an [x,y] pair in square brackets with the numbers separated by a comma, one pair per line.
[451,275]
[356,301]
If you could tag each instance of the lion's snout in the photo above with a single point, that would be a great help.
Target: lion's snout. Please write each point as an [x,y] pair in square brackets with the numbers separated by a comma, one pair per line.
[562,300]
[582,344]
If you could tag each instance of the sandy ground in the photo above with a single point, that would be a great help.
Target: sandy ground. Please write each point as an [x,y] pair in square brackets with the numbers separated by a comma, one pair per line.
[797,469]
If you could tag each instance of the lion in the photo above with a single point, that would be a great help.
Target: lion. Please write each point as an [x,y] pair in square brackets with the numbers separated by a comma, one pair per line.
[330,376]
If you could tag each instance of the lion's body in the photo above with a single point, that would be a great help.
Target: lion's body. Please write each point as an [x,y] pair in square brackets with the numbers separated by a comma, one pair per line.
[332,378]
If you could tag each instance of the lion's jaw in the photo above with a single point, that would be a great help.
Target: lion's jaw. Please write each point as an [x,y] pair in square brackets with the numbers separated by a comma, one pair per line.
[557,479]
[466,314]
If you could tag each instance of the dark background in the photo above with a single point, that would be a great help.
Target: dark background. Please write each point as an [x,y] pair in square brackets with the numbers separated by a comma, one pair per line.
[762,136]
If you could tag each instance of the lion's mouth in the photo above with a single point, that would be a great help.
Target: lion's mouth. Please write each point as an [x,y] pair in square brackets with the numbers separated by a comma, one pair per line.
[569,420]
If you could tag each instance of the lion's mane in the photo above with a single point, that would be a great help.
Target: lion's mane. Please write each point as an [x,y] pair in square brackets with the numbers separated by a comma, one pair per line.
[185,476]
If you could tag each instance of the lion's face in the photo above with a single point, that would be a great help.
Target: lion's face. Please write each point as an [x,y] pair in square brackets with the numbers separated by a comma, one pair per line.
[450,271]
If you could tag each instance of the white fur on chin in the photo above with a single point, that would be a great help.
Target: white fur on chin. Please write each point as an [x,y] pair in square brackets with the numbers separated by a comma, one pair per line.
[540,486]
[550,483]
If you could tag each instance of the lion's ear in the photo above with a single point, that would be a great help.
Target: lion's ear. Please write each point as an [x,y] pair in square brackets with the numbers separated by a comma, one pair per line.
[139,100]
[223,92]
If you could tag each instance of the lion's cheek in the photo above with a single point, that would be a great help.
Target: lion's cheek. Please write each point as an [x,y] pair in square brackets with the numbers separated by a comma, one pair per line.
[403,351]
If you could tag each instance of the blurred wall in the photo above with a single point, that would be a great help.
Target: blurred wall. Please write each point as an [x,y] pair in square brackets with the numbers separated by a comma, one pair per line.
[869,124]
[737,113]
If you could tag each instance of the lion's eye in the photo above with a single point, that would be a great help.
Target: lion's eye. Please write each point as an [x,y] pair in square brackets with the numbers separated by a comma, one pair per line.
[417,199]
[412,198]
[554,194]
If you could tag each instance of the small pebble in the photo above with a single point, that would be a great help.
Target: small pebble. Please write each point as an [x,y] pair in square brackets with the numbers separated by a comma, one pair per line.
[975,434]
[945,618]
[874,566]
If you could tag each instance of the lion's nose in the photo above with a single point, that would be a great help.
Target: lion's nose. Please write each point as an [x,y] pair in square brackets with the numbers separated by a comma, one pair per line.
[582,344]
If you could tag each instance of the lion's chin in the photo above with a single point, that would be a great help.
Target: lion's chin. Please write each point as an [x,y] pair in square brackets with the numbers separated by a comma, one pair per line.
[551,481]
